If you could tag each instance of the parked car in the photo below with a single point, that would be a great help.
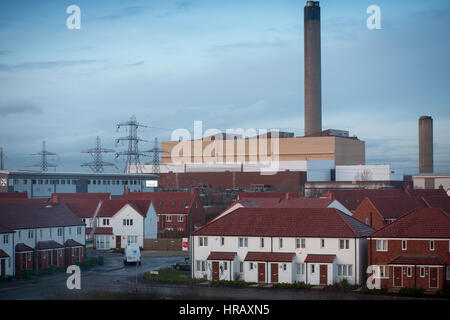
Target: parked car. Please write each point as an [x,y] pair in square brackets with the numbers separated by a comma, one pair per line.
[132,254]
[184,266]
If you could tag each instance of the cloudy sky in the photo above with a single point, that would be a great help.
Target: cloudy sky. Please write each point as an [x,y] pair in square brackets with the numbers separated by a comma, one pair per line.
[231,64]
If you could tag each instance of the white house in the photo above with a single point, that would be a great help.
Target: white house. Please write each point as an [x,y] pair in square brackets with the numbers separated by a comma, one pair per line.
[6,252]
[272,245]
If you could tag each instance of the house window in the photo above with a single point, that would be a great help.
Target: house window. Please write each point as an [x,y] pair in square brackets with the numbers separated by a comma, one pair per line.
[344,244]
[225,266]
[106,222]
[20,234]
[30,234]
[132,239]
[203,266]
[169,218]
[345,270]
[241,267]
[203,241]
[367,221]
[422,272]
[284,266]
[313,269]
[383,272]
[6,238]
[403,244]
[222,241]
[41,232]
[60,232]
[251,265]
[243,242]
[322,243]
[131,222]
[299,268]
[261,242]
[197,262]
[297,243]
[303,243]
[180,218]
[381,245]
[431,245]
[70,231]
[280,243]
[408,271]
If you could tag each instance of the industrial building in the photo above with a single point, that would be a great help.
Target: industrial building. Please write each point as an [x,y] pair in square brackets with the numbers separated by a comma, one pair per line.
[44,184]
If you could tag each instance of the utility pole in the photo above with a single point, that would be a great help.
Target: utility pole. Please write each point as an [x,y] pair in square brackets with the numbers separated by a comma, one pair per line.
[133,155]
[44,163]
[156,161]
[98,164]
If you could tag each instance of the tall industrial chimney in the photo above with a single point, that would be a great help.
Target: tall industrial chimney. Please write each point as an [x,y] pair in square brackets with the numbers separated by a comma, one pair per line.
[313,82]
[425,144]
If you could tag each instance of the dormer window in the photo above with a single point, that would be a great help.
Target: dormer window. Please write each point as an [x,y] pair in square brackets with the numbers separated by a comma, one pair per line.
[173,203]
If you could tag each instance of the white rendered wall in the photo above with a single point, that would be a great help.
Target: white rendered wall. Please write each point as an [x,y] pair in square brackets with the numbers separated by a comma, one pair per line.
[374,173]
[137,229]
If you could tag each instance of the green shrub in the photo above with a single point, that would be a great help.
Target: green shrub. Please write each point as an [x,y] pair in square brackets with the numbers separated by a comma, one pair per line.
[24,274]
[343,285]
[412,291]
[295,285]
[231,283]
[445,291]
[100,260]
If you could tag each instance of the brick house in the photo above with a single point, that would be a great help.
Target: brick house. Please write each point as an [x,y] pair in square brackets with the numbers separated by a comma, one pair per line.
[376,212]
[42,233]
[173,210]
[413,251]
[318,246]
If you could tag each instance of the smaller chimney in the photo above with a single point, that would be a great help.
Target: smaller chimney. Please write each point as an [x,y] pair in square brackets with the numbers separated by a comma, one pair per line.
[287,196]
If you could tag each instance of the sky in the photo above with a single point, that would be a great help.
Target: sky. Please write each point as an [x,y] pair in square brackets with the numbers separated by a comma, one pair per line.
[231,64]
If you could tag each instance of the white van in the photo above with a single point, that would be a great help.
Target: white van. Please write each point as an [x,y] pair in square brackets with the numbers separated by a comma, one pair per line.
[132,254]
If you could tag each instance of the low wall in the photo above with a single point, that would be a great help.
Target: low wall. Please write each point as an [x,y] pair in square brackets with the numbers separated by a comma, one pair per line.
[163,244]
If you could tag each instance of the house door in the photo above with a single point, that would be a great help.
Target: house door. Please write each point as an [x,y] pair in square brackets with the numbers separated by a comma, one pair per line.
[24,261]
[261,272]
[3,267]
[397,276]
[118,242]
[433,277]
[215,267]
[55,257]
[274,272]
[323,274]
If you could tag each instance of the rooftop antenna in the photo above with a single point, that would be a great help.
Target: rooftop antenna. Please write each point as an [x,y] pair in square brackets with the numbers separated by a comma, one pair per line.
[98,164]
[156,161]
[44,163]
[133,154]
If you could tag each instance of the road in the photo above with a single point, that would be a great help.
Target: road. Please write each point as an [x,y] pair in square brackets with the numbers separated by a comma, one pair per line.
[112,276]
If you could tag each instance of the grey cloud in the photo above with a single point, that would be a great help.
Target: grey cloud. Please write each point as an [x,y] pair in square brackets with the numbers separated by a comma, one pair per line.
[19,107]
[45,64]
[249,44]
[4,52]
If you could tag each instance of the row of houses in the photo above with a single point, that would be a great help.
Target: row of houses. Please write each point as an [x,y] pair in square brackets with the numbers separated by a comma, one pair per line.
[35,236]
[267,238]
[116,223]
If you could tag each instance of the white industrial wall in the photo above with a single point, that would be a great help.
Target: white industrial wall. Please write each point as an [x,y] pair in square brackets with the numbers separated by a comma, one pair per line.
[343,256]
[319,170]
[375,173]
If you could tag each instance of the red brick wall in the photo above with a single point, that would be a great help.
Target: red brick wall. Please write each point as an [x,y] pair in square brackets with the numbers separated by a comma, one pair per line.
[413,247]
[74,255]
[367,211]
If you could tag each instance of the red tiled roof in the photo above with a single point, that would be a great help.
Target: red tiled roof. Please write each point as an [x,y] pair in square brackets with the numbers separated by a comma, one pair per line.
[214,255]
[9,195]
[83,208]
[20,247]
[4,229]
[259,202]
[420,223]
[51,244]
[23,200]
[426,192]
[164,202]
[72,243]
[3,254]
[305,203]
[396,207]
[102,230]
[82,196]
[110,207]
[352,198]
[418,260]
[286,222]
[28,216]
[438,202]
[269,256]
[320,258]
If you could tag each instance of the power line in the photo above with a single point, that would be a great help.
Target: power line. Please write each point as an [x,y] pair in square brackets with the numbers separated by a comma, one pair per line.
[156,160]
[98,164]
[44,163]
[132,153]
